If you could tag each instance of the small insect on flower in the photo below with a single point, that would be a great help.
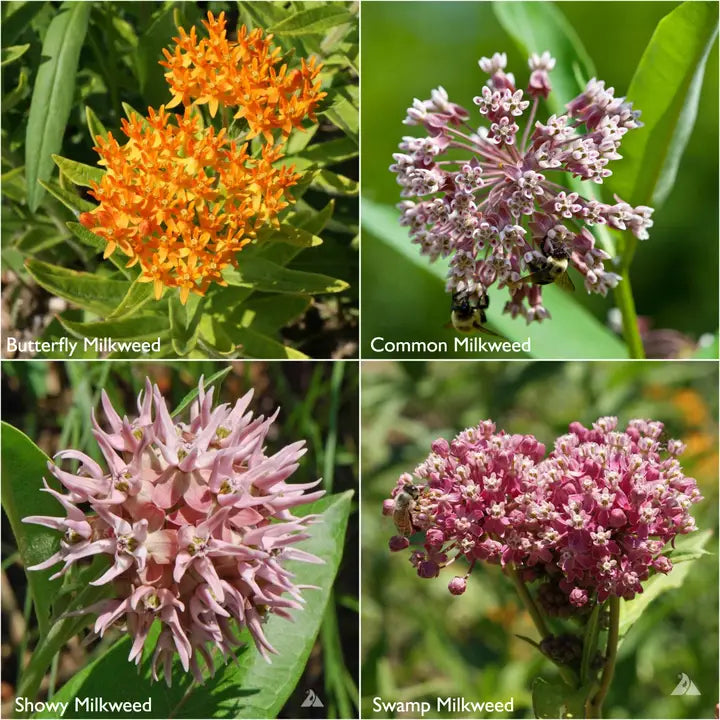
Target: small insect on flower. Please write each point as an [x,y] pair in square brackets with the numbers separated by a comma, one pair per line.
[551,268]
[404,504]
[467,313]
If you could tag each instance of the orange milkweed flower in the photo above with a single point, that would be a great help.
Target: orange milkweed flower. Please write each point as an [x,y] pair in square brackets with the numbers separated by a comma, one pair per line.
[181,201]
[248,73]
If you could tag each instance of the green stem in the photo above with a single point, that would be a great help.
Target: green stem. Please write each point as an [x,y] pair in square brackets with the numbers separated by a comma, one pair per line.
[610,658]
[565,672]
[626,304]
[590,643]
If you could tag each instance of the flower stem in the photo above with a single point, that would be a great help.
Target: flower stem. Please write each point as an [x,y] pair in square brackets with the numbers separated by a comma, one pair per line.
[529,603]
[626,305]
[610,658]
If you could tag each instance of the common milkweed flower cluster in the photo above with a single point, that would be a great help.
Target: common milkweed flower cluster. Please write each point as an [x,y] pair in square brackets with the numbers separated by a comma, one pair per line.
[594,518]
[196,520]
[503,207]
[180,199]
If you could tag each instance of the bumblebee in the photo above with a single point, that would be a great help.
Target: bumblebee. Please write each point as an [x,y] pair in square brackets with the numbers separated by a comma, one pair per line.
[404,503]
[467,313]
[549,269]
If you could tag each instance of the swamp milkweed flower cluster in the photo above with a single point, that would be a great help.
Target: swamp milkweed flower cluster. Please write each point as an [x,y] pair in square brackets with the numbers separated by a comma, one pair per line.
[180,199]
[502,210]
[592,519]
[197,522]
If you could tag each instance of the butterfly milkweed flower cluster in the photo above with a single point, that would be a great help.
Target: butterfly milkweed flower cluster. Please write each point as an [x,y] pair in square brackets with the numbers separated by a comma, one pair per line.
[181,199]
[502,209]
[196,520]
[594,518]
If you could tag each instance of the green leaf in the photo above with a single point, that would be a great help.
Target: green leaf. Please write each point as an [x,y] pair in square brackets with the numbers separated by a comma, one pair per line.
[145,327]
[269,314]
[93,292]
[139,294]
[688,548]
[10,54]
[185,322]
[290,236]
[24,466]
[343,113]
[539,26]
[557,700]
[53,93]
[314,20]
[261,274]
[334,184]
[252,687]
[17,93]
[256,345]
[330,152]
[79,173]
[571,333]
[72,201]
[17,20]
[666,88]
[214,379]
[99,245]
[95,126]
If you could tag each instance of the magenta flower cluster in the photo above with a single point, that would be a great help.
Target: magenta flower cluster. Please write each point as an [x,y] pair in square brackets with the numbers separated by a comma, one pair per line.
[503,207]
[195,519]
[595,517]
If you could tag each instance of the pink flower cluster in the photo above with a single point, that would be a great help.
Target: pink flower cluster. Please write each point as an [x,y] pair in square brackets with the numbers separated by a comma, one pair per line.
[502,209]
[595,517]
[196,521]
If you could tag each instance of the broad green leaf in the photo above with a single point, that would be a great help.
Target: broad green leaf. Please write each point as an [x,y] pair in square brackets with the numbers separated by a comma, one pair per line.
[269,314]
[330,152]
[215,379]
[557,700]
[251,687]
[291,236]
[139,294]
[92,292]
[53,94]
[143,328]
[10,54]
[688,548]
[258,346]
[72,201]
[334,184]
[538,26]
[572,332]
[666,88]
[185,322]
[79,173]
[95,126]
[24,466]
[266,276]
[313,20]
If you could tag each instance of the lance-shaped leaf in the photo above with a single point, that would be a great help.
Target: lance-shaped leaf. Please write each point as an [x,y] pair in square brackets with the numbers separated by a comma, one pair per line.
[261,274]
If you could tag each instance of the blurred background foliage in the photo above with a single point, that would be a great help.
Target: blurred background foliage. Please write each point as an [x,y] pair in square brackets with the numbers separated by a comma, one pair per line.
[419,642]
[409,48]
[51,402]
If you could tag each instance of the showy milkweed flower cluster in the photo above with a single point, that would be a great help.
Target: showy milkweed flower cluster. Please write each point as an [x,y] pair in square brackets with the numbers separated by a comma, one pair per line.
[196,520]
[593,518]
[503,206]
[180,199]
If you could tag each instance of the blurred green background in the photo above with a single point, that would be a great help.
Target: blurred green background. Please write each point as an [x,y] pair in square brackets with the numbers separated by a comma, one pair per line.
[51,402]
[409,48]
[419,642]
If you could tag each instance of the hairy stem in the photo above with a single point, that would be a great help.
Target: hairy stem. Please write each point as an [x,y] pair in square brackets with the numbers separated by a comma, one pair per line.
[610,658]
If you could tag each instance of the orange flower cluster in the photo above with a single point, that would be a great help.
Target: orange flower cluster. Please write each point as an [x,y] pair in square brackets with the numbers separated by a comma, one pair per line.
[181,200]
[248,74]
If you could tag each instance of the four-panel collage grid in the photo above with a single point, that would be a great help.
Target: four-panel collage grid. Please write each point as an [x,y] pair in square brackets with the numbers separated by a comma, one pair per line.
[360,359]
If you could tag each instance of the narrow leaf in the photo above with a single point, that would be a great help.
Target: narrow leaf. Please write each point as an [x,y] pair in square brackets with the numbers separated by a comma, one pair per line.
[143,328]
[291,236]
[137,296]
[334,184]
[313,20]
[10,54]
[330,152]
[79,173]
[259,346]
[261,274]
[95,126]
[72,201]
[53,94]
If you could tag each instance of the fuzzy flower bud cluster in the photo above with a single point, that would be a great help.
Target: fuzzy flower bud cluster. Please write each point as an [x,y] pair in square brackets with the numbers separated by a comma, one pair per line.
[196,522]
[593,518]
[501,210]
